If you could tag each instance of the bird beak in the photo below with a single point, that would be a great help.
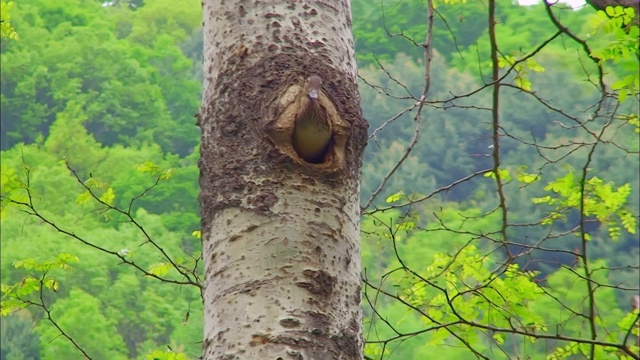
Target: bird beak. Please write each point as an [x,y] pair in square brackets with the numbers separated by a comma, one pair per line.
[313,93]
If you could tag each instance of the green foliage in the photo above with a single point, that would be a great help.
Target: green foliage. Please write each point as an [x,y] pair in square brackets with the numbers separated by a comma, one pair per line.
[110,93]
[521,69]
[165,355]
[150,322]
[444,286]
[566,306]
[18,340]
[6,29]
[466,289]
[386,28]
[504,175]
[503,304]
[513,308]
[119,89]
[16,296]
[616,29]
[103,341]
[40,278]
[11,189]
[446,138]
[596,198]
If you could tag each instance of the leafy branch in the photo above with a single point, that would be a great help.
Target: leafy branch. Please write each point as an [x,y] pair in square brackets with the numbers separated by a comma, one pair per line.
[19,193]
[30,290]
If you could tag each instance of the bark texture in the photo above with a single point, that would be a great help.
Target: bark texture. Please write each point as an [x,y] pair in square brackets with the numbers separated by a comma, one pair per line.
[280,235]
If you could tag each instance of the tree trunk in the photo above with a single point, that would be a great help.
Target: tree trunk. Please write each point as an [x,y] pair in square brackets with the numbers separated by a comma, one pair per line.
[280,234]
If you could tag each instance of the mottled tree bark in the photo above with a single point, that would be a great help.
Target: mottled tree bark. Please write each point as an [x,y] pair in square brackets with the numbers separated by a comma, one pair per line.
[280,235]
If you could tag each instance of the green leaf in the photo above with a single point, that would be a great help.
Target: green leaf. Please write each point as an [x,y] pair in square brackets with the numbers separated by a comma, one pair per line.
[165,355]
[148,167]
[622,96]
[622,83]
[533,65]
[523,83]
[166,174]
[92,182]
[628,221]
[527,178]
[64,259]
[6,29]
[610,11]
[10,306]
[504,175]
[108,196]
[395,197]
[51,284]
[160,269]
[83,198]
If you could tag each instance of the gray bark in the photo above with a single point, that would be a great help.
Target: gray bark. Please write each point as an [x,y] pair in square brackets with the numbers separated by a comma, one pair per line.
[280,235]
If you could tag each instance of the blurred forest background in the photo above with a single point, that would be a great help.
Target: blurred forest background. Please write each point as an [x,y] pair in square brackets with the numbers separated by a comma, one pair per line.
[110,86]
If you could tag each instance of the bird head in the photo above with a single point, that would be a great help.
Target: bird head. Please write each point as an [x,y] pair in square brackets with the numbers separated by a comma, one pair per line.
[312,86]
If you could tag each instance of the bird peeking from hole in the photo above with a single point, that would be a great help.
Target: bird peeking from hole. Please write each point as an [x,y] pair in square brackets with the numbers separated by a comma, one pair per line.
[312,129]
